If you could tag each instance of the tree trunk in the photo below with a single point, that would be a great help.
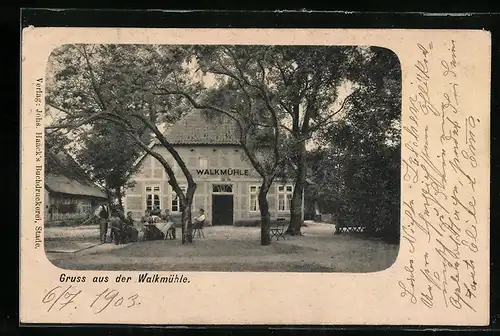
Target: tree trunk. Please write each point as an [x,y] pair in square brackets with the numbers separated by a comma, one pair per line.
[110,200]
[119,196]
[186,205]
[298,192]
[265,236]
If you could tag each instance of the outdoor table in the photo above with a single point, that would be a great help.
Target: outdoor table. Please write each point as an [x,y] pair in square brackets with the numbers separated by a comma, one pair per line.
[157,230]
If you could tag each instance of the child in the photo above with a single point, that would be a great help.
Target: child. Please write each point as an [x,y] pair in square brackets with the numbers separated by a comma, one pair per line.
[116,227]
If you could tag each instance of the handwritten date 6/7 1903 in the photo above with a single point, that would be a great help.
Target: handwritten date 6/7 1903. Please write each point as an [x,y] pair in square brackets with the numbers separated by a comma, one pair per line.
[67,297]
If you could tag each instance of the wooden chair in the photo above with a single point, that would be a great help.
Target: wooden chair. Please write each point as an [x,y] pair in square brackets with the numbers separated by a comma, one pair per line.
[170,233]
[198,228]
[278,230]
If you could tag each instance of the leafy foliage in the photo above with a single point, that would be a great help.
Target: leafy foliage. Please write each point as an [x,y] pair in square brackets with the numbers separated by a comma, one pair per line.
[359,163]
[279,96]
[109,157]
[121,85]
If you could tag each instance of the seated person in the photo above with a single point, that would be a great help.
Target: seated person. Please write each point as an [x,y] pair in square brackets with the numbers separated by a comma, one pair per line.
[156,211]
[146,217]
[131,234]
[200,219]
[165,215]
[166,224]
[129,219]
[154,219]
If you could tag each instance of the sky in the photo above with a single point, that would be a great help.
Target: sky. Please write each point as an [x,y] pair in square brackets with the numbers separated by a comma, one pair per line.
[208,81]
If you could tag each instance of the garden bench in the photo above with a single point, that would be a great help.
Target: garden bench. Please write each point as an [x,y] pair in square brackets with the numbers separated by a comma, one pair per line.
[278,230]
[350,229]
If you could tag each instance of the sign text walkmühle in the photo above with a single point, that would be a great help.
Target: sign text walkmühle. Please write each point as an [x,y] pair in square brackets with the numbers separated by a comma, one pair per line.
[223,172]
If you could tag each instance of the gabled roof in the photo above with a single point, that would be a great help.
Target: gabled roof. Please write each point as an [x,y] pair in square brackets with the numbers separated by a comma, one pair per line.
[199,127]
[64,175]
[64,185]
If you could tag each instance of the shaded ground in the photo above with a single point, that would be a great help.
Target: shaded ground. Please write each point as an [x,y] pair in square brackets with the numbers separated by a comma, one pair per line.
[229,249]
[71,239]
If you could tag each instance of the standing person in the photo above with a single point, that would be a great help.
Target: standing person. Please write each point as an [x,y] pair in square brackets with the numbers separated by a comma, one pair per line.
[51,209]
[317,215]
[102,213]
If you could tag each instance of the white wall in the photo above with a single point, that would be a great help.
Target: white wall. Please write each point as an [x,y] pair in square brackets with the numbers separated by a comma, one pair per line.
[152,174]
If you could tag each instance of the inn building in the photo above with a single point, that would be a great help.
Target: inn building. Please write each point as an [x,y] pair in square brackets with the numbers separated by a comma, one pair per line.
[227,184]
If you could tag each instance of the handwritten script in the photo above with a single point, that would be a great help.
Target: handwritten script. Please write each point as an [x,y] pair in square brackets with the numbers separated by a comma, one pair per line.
[439,214]
[69,297]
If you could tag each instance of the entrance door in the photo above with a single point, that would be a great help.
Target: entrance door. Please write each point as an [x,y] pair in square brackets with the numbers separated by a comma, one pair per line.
[222,209]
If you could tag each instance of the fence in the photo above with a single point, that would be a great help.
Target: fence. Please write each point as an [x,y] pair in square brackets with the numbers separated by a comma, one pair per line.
[70,219]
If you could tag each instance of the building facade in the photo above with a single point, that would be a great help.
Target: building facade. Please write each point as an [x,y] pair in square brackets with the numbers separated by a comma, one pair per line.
[227,184]
[66,198]
[69,193]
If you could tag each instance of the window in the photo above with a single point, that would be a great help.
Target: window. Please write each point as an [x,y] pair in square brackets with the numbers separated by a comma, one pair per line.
[175,204]
[222,188]
[87,208]
[285,193]
[152,197]
[254,198]
[203,163]
[66,208]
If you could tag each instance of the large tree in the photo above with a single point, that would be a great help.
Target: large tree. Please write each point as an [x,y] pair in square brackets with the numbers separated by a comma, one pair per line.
[240,89]
[277,89]
[109,158]
[360,154]
[311,89]
[115,84]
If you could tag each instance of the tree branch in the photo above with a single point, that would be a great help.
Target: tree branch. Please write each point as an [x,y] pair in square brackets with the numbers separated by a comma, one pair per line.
[74,125]
[325,121]
[125,124]
[93,81]
[285,107]
[196,104]
[166,144]
[286,128]
[281,70]
[49,103]
[267,101]
[253,159]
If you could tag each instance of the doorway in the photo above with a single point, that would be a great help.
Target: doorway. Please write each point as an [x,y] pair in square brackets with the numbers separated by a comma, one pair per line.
[222,209]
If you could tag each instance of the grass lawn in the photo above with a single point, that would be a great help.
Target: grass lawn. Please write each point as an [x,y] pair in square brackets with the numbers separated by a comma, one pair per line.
[228,249]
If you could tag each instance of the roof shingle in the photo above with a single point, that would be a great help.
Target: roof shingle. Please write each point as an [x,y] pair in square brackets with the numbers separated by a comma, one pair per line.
[201,128]
[64,185]
[64,175]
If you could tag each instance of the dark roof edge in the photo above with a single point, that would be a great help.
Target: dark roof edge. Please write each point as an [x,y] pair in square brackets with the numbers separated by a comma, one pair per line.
[78,195]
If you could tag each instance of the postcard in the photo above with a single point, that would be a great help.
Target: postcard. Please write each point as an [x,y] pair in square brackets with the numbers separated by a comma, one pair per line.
[255,176]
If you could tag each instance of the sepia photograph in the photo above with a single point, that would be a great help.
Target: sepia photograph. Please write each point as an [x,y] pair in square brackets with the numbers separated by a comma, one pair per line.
[280,176]
[222,158]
